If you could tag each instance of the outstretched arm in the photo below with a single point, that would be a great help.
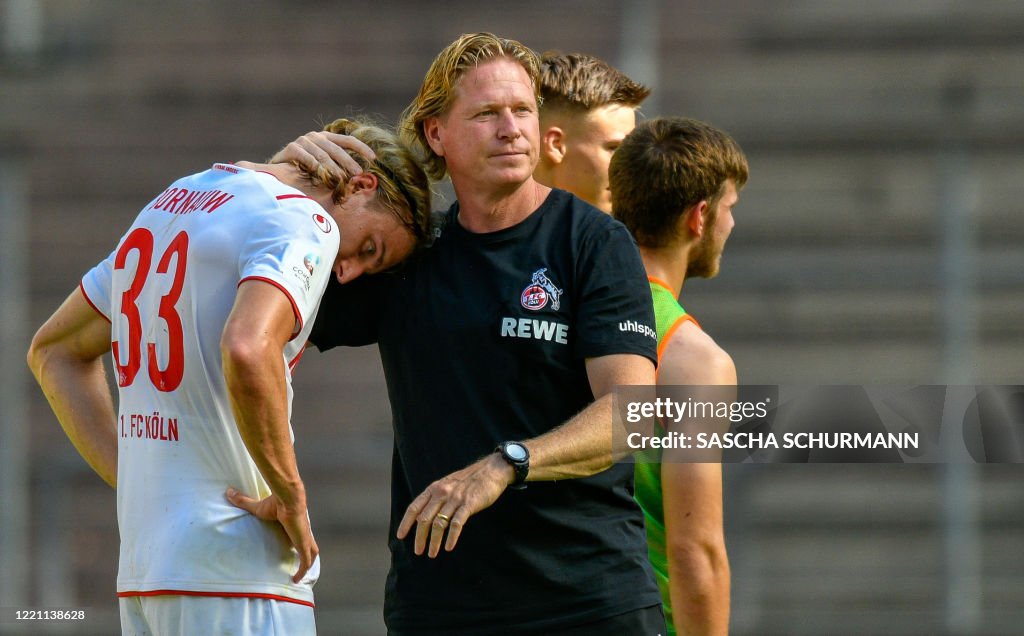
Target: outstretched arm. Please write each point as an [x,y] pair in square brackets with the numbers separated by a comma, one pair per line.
[580,447]
[260,324]
[66,358]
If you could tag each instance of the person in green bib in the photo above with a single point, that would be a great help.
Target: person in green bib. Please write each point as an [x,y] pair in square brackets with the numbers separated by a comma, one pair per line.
[674,183]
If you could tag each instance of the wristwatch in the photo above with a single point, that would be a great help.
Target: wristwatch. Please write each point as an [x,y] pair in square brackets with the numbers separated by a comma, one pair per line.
[518,458]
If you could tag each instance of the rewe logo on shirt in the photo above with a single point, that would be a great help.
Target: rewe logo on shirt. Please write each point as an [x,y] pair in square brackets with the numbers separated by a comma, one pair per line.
[535,329]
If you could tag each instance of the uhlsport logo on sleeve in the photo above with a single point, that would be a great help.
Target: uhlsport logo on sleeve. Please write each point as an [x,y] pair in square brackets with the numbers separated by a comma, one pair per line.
[638,327]
[541,290]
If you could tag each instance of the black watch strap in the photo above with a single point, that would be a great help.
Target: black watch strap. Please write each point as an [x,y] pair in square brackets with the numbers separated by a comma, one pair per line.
[518,457]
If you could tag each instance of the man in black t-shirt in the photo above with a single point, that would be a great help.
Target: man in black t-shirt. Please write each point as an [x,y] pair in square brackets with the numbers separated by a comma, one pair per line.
[509,333]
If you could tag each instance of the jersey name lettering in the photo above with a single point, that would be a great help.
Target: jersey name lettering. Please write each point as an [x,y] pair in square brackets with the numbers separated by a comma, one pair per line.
[183,201]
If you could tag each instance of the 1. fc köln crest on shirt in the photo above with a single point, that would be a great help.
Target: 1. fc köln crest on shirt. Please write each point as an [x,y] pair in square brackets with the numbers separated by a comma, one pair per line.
[540,291]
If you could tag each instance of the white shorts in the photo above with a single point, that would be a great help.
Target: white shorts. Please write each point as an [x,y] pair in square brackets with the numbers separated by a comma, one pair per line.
[180,615]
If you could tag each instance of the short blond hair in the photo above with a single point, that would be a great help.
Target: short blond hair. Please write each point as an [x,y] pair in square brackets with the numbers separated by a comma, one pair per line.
[438,90]
[579,83]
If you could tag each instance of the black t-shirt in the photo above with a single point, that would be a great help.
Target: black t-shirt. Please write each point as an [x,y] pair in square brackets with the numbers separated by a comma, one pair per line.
[483,338]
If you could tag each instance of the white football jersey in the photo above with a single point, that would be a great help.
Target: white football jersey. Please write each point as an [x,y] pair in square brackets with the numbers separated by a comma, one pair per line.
[168,289]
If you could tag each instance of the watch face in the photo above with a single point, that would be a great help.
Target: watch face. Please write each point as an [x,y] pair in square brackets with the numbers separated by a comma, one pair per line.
[516,452]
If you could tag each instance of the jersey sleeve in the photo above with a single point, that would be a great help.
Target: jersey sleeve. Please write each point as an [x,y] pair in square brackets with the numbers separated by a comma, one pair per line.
[349,314]
[294,251]
[616,313]
[96,286]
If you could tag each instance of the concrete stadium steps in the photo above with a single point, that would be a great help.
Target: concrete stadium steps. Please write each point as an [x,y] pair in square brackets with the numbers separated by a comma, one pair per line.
[856,97]
[870,362]
[76,531]
[878,24]
[810,535]
[886,72]
[860,196]
[886,267]
[847,315]
[404,25]
[882,496]
[357,47]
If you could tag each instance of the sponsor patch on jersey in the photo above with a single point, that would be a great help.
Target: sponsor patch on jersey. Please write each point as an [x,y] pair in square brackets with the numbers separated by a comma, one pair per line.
[535,329]
[311,260]
[302,277]
[540,291]
[323,223]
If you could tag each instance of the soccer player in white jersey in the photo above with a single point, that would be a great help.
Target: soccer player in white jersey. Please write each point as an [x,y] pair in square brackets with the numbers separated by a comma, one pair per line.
[206,304]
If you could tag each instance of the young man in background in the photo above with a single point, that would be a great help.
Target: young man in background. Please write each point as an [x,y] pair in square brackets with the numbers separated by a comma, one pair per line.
[588,108]
[674,183]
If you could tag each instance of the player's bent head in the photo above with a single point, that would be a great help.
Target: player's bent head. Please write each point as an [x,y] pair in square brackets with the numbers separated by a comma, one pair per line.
[441,83]
[666,166]
[384,213]
[402,185]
